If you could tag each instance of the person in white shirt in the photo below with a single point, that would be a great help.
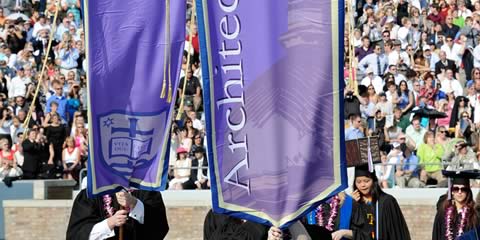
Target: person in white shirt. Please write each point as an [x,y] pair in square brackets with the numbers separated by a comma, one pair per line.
[18,84]
[405,33]
[451,84]
[397,56]
[392,69]
[62,28]
[41,24]
[430,56]
[453,50]
[377,61]
[371,79]
[463,11]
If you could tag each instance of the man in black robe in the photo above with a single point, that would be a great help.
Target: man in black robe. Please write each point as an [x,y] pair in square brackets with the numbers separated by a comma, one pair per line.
[90,216]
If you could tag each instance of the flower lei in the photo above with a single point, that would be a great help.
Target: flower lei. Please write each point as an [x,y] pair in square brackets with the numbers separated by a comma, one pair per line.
[449,222]
[334,206]
[107,204]
[463,221]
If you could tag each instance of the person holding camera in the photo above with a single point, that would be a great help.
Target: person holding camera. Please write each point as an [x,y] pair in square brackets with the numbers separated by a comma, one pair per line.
[68,54]
[16,38]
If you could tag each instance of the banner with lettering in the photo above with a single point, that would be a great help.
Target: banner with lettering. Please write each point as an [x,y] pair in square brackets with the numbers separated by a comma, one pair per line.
[272,73]
[134,51]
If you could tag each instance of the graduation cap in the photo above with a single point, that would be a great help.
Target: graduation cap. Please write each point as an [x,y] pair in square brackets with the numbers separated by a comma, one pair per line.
[460,178]
[364,171]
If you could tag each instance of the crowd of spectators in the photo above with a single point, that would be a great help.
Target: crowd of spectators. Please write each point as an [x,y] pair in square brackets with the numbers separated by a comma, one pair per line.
[188,162]
[42,136]
[54,143]
[415,84]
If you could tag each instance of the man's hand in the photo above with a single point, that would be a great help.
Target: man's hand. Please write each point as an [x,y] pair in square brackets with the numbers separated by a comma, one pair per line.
[275,233]
[118,219]
[126,200]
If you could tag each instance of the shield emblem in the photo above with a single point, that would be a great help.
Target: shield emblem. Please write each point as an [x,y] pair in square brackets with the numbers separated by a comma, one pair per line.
[127,140]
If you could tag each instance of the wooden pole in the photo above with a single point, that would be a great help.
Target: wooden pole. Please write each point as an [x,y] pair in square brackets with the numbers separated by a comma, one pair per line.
[192,19]
[42,72]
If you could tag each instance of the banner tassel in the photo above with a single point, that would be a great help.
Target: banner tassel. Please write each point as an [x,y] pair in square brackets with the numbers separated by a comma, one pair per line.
[166,49]
[182,96]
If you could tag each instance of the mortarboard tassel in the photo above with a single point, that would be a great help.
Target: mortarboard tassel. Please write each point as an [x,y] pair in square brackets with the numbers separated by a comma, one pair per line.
[370,160]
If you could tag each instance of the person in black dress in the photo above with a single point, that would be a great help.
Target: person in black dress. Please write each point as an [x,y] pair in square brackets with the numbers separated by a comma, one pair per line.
[141,214]
[31,149]
[56,134]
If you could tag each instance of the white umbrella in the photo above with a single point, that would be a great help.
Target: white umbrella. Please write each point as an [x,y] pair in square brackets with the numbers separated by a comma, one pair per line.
[15,16]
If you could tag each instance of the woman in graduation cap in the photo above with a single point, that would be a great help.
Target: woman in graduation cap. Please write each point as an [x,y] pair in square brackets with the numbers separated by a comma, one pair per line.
[456,213]
[375,214]
[141,214]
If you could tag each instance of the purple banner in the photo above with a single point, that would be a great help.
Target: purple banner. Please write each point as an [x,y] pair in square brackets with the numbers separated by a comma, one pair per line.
[272,85]
[129,47]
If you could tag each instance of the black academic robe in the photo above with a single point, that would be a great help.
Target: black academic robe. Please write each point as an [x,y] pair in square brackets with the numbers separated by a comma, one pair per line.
[392,225]
[220,226]
[87,212]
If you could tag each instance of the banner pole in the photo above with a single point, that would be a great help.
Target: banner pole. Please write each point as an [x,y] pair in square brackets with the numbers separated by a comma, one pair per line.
[42,72]
[182,97]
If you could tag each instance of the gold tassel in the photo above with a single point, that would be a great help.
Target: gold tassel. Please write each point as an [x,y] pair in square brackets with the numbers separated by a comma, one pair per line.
[166,49]
[180,110]
[169,99]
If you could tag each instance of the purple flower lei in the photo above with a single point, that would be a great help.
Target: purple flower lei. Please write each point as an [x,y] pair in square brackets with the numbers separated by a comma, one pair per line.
[463,221]
[107,205]
[334,206]
[449,222]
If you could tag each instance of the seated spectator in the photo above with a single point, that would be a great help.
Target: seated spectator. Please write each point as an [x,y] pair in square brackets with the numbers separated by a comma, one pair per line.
[407,174]
[185,140]
[355,130]
[385,170]
[8,164]
[465,128]
[193,90]
[182,169]
[430,155]
[71,159]
[198,174]
[464,158]
[383,105]
[416,132]
[197,124]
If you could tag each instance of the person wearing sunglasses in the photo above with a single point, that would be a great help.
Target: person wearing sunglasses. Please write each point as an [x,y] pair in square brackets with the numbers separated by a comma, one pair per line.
[456,214]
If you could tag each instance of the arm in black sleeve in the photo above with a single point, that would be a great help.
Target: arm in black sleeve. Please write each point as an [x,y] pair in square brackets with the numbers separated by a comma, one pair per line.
[85,214]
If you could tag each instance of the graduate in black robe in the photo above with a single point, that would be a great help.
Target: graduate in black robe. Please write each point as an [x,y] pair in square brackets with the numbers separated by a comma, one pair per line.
[87,212]
[375,214]
[221,226]
[459,198]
